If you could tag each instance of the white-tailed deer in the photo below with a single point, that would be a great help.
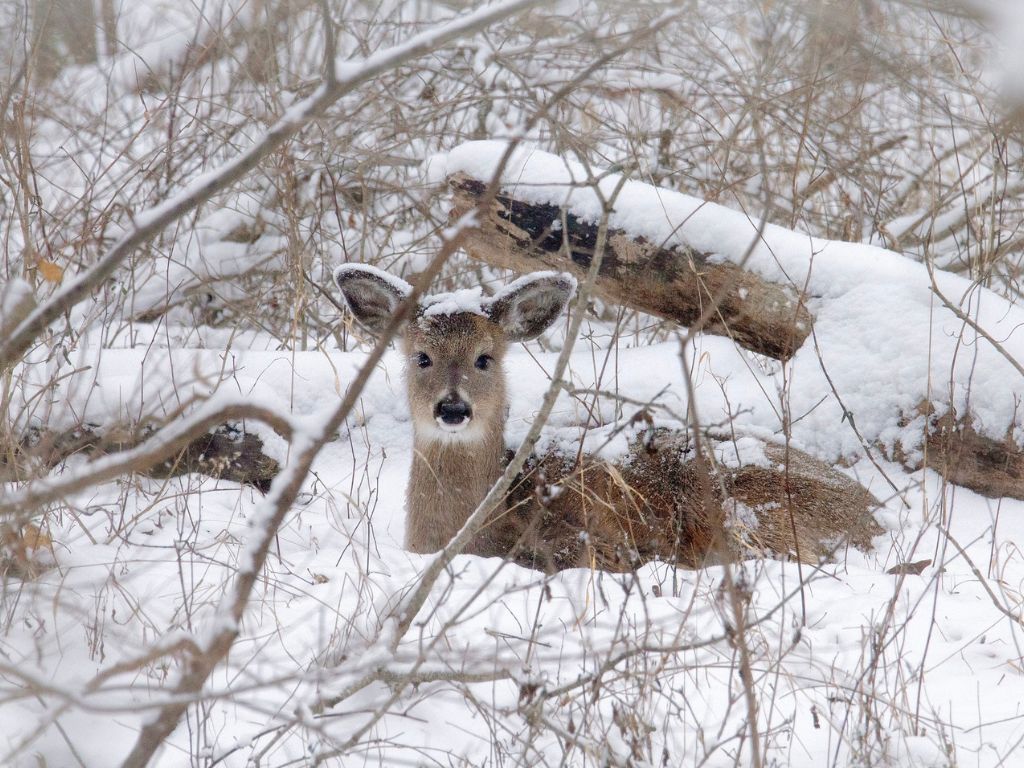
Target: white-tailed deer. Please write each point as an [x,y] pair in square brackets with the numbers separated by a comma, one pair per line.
[661,502]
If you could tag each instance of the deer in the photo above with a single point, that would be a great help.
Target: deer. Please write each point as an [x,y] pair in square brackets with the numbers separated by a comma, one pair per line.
[666,500]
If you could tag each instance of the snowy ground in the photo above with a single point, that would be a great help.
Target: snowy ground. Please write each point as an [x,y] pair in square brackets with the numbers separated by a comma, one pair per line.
[855,667]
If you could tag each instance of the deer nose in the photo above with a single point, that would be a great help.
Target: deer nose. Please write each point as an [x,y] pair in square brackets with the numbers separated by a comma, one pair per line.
[452,411]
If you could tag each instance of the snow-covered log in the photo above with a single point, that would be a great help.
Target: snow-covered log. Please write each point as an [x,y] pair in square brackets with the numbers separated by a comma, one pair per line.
[964,456]
[884,354]
[680,283]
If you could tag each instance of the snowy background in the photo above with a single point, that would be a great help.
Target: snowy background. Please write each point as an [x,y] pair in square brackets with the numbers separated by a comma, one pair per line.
[880,140]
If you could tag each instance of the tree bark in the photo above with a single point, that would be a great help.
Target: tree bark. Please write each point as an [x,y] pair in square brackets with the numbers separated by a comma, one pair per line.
[675,284]
[955,449]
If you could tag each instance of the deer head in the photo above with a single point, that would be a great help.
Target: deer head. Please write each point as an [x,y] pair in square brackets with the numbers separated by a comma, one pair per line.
[455,344]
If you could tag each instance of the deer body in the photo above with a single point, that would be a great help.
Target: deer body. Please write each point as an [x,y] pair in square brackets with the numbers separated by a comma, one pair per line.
[662,502]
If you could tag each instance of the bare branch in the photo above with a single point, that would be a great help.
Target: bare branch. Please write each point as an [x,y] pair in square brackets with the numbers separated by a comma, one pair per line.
[347,77]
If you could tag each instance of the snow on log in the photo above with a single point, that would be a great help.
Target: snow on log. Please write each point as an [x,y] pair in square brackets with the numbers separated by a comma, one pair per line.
[923,366]
[963,456]
[673,283]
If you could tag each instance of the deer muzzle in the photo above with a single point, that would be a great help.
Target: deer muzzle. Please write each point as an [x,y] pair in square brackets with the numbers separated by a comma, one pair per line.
[453,413]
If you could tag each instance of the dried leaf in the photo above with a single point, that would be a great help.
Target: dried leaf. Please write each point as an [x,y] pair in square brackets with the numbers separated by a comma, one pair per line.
[51,272]
[911,569]
[33,537]
[20,548]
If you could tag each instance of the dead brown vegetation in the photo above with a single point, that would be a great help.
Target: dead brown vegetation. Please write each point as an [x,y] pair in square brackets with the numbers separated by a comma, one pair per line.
[664,501]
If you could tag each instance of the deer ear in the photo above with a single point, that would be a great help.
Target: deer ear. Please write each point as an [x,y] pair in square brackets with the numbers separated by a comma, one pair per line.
[371,294]
[529,305]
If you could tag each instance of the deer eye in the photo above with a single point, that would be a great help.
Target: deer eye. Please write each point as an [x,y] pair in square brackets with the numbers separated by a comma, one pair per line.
[423,360]
[484,362]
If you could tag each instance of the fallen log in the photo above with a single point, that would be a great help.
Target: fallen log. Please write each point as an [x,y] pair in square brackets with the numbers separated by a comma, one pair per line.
[677,284]
[225,453]
[965,457]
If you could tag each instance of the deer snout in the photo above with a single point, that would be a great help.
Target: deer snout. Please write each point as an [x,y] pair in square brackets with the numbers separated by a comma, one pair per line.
[453,412]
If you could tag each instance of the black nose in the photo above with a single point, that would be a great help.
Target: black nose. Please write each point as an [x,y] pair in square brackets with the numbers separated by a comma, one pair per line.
[452,411]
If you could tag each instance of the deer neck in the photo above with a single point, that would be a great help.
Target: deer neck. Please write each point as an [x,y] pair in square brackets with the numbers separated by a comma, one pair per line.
[448,480]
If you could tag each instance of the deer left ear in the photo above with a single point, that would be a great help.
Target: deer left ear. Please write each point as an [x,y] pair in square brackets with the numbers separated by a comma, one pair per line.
[371,294]
[527,307]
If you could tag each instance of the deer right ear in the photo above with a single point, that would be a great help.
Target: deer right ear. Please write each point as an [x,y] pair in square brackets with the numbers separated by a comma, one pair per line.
[371,294]
[525,308]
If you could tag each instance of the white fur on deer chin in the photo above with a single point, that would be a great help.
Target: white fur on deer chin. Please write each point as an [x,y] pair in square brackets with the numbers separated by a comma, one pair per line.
[436,431]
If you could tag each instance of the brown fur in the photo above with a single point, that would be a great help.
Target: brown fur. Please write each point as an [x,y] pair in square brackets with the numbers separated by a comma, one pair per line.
[450,476]
[446,483]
